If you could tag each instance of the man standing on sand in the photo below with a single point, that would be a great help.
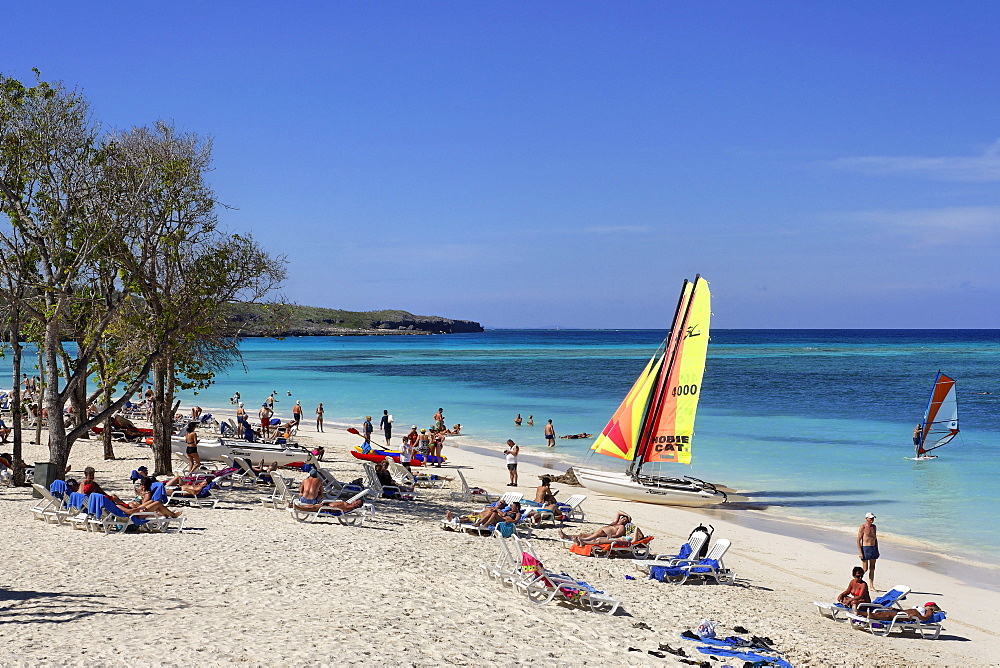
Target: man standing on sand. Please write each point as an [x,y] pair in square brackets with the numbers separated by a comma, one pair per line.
[511,453]
[868,547]
[386,426]
[550,435]
[297,413]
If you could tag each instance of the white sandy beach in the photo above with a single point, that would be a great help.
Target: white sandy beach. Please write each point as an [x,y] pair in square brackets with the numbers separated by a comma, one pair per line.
[245,584]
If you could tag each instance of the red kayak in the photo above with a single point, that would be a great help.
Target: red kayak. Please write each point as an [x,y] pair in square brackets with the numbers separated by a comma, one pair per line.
[378,455]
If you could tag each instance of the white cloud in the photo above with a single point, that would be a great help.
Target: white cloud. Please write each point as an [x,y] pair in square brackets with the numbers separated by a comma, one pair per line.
[982,168]
[937,227]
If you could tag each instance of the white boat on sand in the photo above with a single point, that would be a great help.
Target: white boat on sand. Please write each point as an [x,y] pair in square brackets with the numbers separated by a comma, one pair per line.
[219,449]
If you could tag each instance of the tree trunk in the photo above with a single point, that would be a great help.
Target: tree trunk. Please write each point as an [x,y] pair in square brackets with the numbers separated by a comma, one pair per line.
[162,421]
[58,444]
[109,450]
[15,405]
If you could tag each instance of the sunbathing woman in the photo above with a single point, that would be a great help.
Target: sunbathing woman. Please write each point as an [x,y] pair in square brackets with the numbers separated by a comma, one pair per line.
[491,514]
[603,536]
[194,488]
[919,614]
[145,504]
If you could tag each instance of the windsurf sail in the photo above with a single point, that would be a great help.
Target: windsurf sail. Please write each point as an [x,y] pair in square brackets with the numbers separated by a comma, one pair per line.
[670,420]
[940,424]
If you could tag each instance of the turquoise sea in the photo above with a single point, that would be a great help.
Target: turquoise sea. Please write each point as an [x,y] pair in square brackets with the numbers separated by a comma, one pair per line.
[813,423]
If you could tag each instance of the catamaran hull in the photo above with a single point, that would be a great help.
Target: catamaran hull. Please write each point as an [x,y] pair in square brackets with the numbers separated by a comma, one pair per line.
[218,450]
[685,492]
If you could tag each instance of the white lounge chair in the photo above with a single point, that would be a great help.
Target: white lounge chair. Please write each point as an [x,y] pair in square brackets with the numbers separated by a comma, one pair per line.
[345,517]
[281,496]
[468,493]
[380,491]
[47,507]
[711,567]
[542,586]
[694,545]
[892,598]
[573,509]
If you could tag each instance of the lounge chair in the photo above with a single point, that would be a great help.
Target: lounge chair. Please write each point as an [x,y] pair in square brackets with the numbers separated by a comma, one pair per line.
[692,547]
[891,598]
[505,569]
[281,496]
[380,491]
[346,517]
[626,546]
[540,587]
[900,622]
[571,507]
[335,488]
[468,493]
[208,497]
[711,567]
[51,502]
[104,515]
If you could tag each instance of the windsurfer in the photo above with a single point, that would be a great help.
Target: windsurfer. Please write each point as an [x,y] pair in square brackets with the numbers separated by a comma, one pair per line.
[916,434]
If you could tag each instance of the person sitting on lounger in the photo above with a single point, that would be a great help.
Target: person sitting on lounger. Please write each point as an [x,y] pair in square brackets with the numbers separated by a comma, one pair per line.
[145,503]
[193,488]
[921,613]
[491,514]
[311,496]
[857,590]
[606,535]
[91,487]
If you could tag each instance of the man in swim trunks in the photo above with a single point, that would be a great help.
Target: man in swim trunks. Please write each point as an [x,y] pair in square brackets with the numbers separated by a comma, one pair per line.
[550,435]
[868,547]
[857,590]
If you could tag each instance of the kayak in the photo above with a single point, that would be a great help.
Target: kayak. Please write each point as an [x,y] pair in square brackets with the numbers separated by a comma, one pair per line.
[376,456]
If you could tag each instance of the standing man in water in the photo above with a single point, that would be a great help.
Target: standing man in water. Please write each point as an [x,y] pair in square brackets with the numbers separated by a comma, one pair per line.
[386,425]
[550,435]
[868,547]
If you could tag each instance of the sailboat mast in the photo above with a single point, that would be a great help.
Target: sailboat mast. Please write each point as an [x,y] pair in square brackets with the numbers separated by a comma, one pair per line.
[652,415]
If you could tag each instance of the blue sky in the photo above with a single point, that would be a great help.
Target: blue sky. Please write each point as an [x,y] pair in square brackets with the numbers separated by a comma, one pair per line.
[568,164]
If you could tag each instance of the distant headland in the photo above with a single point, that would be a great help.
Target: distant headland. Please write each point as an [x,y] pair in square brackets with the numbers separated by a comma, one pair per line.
[256,320]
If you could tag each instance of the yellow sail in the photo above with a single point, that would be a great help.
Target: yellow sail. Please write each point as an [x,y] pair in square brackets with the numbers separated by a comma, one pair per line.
[673,419]
[619,437]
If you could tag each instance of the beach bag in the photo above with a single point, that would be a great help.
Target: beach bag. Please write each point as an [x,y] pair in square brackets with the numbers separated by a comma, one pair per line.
[506,529]
[389,420]
[704,546]
[706,629]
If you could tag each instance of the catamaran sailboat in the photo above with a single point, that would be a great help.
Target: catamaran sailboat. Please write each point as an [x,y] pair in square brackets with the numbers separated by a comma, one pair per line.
[940,423]
[655,423]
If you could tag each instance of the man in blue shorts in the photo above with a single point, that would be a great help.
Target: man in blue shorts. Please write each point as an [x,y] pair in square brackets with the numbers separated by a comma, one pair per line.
[868,547]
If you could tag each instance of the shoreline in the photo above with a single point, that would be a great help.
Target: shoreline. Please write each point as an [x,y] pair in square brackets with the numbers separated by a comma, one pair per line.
[973,569]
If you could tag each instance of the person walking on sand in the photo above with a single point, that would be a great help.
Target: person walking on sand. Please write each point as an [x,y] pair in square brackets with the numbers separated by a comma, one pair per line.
[319,417]
[297,413]
[386,425]
[868,547]
[511,453]
[550,435]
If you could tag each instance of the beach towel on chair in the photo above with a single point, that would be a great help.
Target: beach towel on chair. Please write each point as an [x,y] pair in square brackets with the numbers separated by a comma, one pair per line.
[506,529]
[584,550]
[532,566]
[59,489]
[662,572]
[159,492]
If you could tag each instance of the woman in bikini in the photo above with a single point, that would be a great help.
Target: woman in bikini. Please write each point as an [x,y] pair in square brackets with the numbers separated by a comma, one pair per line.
[603,536]
[191,438]
[857,590]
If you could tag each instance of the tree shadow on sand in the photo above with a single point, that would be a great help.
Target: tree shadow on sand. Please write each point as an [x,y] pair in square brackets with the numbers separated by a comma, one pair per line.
[52,607]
